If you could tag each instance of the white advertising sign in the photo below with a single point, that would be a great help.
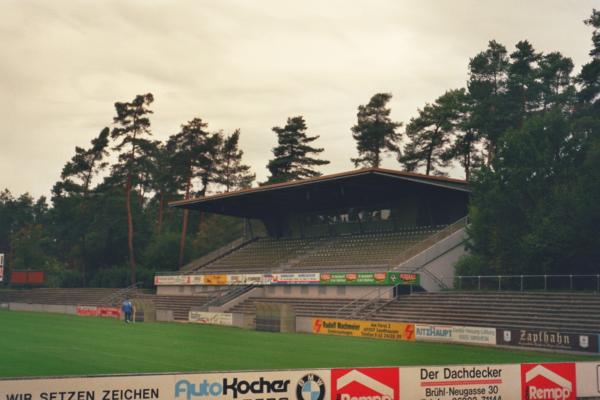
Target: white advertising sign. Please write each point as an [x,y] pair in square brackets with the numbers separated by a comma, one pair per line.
[212,318]
[475,382]
[474,334]
[170,279]
[588,379]
[300,385]
[147,387]
[297,278]
[457,334]
[434,332]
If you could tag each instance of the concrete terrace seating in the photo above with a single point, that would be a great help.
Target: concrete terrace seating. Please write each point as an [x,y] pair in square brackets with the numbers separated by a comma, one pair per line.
[567,312]
[180,305]
[354,252]
[368,250]
[81,296]
[304,307]
[259,256]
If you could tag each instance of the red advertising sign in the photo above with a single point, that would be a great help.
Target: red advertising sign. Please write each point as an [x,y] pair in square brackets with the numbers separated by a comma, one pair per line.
[548,381]
[94,311]
[365,383]
[111,312]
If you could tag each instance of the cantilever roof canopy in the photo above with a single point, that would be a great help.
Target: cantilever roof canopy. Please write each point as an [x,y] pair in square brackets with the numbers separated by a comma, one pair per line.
[356,188]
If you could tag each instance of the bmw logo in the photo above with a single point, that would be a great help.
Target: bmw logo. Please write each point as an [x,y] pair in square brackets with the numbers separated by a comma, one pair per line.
[310,387]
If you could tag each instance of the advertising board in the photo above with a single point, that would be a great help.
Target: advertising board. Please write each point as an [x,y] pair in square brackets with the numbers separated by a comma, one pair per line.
[547,339]
[549,381]
[365,383]
[213,318]
[474,335]
[434,333]
[474,382]
[87,311]
[543,381]
[217,279]
[370,329]
[296,384]
[457,334]
[368,278]
[296,278]
[170,279]
[98,311]
[588,379]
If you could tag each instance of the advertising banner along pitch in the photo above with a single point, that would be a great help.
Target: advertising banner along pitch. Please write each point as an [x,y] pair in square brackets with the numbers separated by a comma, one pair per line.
[370,329]
[542,381]
[213,318]
[547,339]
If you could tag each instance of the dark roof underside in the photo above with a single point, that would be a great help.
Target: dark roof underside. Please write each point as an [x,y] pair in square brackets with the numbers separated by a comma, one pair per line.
[358,188]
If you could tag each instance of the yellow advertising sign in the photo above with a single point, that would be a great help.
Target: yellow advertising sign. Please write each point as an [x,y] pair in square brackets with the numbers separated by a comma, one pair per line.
[370,329]
[215,279]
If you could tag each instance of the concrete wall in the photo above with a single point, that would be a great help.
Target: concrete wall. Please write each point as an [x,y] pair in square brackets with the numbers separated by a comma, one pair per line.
[438,260]
[164,315]
[304,324]
[48,308]
[180,290]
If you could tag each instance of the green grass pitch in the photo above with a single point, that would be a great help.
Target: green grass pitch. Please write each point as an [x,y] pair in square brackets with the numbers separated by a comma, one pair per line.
[37,344]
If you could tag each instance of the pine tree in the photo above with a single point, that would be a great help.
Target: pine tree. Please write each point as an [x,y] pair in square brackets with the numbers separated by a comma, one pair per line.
[72,193]
[131,125]
[83,166]
[375,132]
[430,133]
[292,156]
[232,174]
[589,78]
[556,86]
[487,86]
[194,157]
[523,88]
[466,145]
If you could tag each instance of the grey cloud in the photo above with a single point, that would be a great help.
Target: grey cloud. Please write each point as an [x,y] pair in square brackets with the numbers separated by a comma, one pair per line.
[242,64]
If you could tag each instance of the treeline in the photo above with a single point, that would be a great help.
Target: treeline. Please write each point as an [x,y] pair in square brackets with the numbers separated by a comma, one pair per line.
[525,130]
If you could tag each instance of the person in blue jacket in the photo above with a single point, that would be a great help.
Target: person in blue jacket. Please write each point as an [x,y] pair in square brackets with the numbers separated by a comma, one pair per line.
[127,309]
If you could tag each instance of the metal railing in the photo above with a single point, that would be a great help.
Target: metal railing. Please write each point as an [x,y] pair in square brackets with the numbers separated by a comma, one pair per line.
[227,296]
[118,296]
[547,282]
[428,242]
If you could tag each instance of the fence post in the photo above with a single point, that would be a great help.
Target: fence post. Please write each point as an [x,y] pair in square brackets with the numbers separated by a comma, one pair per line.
[521,283]
[571,282]
[499,282]
[479,282]
[459,282]
[545,284]
[597,283]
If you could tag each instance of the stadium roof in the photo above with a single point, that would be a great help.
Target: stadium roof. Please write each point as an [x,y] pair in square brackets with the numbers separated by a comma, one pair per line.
[351,188]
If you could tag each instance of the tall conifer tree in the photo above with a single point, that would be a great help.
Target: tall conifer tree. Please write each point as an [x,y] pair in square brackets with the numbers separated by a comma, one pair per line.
[131,125]
[375,132]
[293,154]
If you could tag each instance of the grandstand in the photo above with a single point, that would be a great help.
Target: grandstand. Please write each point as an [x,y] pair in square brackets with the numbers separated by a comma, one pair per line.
[351,252]
[369,222]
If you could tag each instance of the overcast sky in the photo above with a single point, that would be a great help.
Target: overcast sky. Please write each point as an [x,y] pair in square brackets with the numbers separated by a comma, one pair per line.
[243,64]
